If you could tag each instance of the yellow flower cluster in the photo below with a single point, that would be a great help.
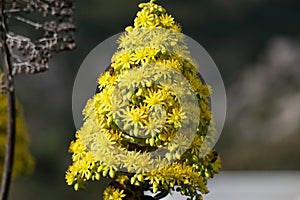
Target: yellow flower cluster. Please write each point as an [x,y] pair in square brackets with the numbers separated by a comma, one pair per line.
[23,160]
[153,15]
[146,126]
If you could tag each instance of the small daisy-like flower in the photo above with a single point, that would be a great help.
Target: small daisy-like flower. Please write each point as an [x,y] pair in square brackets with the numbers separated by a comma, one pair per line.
[71,174]
[133,79]
[102,101]
[134,116]
[111,193]
[158,42]
[85,166]
[111,160]
[152,52]
[144,19]
[154,179]
[101,144]
[173,63]
[139,78]
[153,127]
[178,146]
[140,56]
[177,28]
[123,62]
[166,20]
[106,79]
[154,97]
[175,117]
[78,150]
[196,145]
[124,37]
[130,161]
[163,74]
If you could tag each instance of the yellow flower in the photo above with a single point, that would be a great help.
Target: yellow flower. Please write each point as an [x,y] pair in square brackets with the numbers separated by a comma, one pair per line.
[136,115]
[154,126]
[132,80]
[85,170]
[71,174]
[130,161]
[173,63]
[196,145]
[112,162]
[175,117]
[78,150]
[123,62]
[179,144]
[166,20]
[133,119]
[152,52]
[176,28]
[144,119]
[154,97]
[106,79]
[144,19]
[140,56]
[111,193]
[145,162]
[154,179]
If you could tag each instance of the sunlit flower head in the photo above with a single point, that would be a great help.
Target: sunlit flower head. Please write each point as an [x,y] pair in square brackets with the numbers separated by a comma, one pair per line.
[145,127]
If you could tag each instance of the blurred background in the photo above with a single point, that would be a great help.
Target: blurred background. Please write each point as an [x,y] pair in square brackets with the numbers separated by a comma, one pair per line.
[256,46]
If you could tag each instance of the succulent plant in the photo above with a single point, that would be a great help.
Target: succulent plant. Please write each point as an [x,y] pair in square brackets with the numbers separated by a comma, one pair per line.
[146,126]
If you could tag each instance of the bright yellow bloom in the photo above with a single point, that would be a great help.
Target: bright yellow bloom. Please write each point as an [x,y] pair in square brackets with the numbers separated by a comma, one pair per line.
[106,79]
[144,19]
[130,161]
[166,20]
[196,145]
[123,62]
[154,97]
[135,115]
[152,52]
[78,150]
[140,56]
[175,117]
[146,118]
[154,126]
[111,193]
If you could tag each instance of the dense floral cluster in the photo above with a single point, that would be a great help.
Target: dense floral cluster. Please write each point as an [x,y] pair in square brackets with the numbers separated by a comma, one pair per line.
[23,160]
[146,126]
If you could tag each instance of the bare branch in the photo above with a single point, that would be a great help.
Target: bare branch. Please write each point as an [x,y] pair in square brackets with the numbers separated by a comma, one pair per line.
[31,23]
[29,68]
[13,10]
[11,108]
[30,56]
[22,54]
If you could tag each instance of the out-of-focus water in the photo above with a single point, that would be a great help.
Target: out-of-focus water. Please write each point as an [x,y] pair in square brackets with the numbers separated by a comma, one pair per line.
[252,185]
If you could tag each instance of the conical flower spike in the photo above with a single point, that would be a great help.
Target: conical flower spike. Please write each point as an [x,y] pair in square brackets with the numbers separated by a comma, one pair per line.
[144,130]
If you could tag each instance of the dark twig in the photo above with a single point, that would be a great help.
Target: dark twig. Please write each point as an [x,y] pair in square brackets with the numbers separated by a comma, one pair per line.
[11,109]
[22,54]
